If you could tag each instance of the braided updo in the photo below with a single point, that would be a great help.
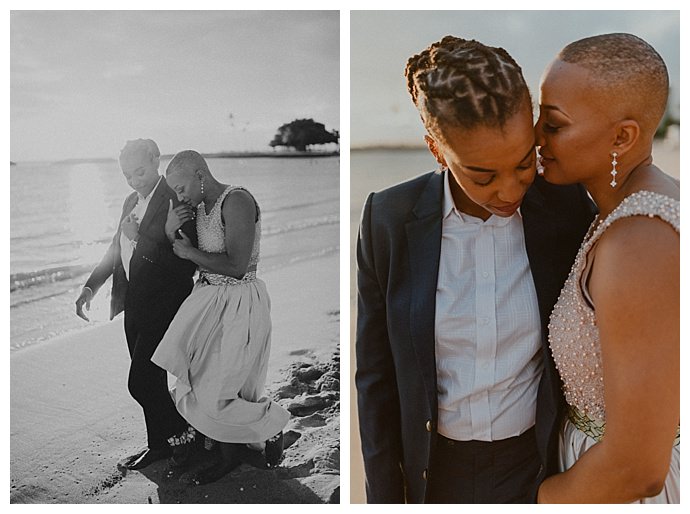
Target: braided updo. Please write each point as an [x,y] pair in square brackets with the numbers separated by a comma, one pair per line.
[463,83]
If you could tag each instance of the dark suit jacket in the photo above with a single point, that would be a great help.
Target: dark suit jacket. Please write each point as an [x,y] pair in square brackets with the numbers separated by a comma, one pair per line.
[158,280]
[398,253]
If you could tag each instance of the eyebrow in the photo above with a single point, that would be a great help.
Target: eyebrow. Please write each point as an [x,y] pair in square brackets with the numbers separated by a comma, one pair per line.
[552,108]
[488,170]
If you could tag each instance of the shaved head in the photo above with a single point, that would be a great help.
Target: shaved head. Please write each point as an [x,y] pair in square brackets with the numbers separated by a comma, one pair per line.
[627,69]
[186,162]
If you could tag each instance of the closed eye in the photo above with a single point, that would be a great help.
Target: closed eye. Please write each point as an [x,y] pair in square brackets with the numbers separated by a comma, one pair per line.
[485,183]
[526,166]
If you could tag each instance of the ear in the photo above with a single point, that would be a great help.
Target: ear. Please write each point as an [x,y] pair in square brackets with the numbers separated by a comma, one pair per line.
[627,135]
[432,145]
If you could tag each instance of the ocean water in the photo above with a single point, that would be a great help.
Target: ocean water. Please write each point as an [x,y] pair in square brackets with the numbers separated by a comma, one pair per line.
[63,217]
[373,170]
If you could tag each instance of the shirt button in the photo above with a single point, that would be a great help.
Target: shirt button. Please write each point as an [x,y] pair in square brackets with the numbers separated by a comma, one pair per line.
[485,274]
[428,426]
[424,474]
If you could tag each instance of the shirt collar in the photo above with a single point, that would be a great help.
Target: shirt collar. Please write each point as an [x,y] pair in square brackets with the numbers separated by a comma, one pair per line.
[449,208]
[144,198]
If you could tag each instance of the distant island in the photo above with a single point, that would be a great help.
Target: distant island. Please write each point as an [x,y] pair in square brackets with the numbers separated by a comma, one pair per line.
[85,160]
[220,155]
[274,154]
[388,147]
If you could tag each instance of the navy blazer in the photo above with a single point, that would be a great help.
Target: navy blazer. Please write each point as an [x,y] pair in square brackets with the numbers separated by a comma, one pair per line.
[398,252]
[158,280]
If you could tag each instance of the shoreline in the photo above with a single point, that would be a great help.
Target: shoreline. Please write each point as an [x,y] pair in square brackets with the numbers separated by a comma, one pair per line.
[72,418]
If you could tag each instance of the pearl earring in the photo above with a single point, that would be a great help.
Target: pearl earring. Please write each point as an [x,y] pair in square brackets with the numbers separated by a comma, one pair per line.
[614,172]
[202,186]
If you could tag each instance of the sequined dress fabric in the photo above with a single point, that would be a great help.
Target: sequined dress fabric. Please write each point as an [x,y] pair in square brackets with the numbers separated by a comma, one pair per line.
[218,346]
[211,234]
[574,341]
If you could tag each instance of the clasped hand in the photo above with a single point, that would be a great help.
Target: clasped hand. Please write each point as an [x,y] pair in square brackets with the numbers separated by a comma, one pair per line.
[183,248]
[130,226]
[177,217]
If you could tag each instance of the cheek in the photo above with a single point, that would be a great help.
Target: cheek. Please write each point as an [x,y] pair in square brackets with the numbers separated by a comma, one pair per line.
[480,195]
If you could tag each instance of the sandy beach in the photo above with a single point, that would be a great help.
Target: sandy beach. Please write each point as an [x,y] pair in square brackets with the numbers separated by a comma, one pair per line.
[72,418]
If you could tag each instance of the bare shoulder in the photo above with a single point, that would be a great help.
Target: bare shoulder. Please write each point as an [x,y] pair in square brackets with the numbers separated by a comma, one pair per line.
[239,200]
[636,250]
[647,235]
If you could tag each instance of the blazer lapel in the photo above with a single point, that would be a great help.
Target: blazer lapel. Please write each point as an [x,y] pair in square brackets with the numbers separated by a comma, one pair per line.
[424,247]
[538,226]
[154,204]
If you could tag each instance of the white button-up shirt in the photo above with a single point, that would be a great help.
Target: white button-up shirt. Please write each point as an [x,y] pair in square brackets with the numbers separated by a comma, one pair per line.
[488,330]
[126,246]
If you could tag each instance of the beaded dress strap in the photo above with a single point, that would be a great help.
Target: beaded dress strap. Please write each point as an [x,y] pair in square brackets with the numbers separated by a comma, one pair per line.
[640,203]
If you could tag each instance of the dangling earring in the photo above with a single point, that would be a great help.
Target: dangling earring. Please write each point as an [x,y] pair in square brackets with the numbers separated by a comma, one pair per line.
[202,186]
[614,172]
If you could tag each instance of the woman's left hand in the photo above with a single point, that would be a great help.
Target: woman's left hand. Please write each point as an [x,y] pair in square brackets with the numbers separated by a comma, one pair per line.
[183,247]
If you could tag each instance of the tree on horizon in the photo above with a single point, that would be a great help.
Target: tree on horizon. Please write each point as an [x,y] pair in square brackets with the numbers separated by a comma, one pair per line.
[302,133]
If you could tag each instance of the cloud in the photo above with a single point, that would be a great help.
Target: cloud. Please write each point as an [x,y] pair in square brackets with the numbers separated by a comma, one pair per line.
[124,70]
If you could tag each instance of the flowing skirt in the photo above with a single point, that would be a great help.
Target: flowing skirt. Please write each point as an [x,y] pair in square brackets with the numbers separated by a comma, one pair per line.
[574,443]
[217,348]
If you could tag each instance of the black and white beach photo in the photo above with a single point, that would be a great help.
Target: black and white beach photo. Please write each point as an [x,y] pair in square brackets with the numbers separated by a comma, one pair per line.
[182,167]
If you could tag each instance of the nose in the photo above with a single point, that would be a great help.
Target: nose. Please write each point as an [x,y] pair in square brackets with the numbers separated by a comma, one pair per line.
[539,134]
[512,189]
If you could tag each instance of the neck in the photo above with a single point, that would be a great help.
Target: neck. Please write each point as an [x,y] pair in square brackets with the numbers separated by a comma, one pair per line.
[608,198]
[147,190]
[213,190]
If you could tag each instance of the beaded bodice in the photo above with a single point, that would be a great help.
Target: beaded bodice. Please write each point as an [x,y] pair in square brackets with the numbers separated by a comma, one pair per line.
[211,233]
[573,332]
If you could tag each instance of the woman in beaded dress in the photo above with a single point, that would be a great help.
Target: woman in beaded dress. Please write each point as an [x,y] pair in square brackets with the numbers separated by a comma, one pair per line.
[218,344]
[615,330]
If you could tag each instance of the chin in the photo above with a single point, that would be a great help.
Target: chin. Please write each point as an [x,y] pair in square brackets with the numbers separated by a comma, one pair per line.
[554,177]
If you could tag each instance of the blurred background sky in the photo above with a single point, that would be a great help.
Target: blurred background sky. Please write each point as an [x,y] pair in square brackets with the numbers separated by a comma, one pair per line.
[83,82]
[381,110]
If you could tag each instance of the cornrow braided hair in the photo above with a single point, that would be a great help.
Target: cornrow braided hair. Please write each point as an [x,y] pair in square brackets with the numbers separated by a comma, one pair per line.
[465,83]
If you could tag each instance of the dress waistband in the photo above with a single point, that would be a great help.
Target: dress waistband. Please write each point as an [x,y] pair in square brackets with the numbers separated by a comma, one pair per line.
[595,428]
[216,279]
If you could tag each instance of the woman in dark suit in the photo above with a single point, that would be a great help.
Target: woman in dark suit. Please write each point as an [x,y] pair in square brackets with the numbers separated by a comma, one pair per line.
[458,271]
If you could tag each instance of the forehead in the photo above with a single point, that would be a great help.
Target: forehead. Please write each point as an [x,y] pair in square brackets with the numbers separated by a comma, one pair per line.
[569,87]
[492,147]
[131,161]
[178,179]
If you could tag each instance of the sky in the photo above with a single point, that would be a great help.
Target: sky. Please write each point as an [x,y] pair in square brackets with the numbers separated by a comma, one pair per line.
[381,111]
[84,82]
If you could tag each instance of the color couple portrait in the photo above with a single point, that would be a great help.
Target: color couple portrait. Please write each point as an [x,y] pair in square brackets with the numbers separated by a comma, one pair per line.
[517,326]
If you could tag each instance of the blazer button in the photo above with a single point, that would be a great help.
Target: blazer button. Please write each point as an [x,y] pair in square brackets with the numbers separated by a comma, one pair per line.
[424,474]
[428,426]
